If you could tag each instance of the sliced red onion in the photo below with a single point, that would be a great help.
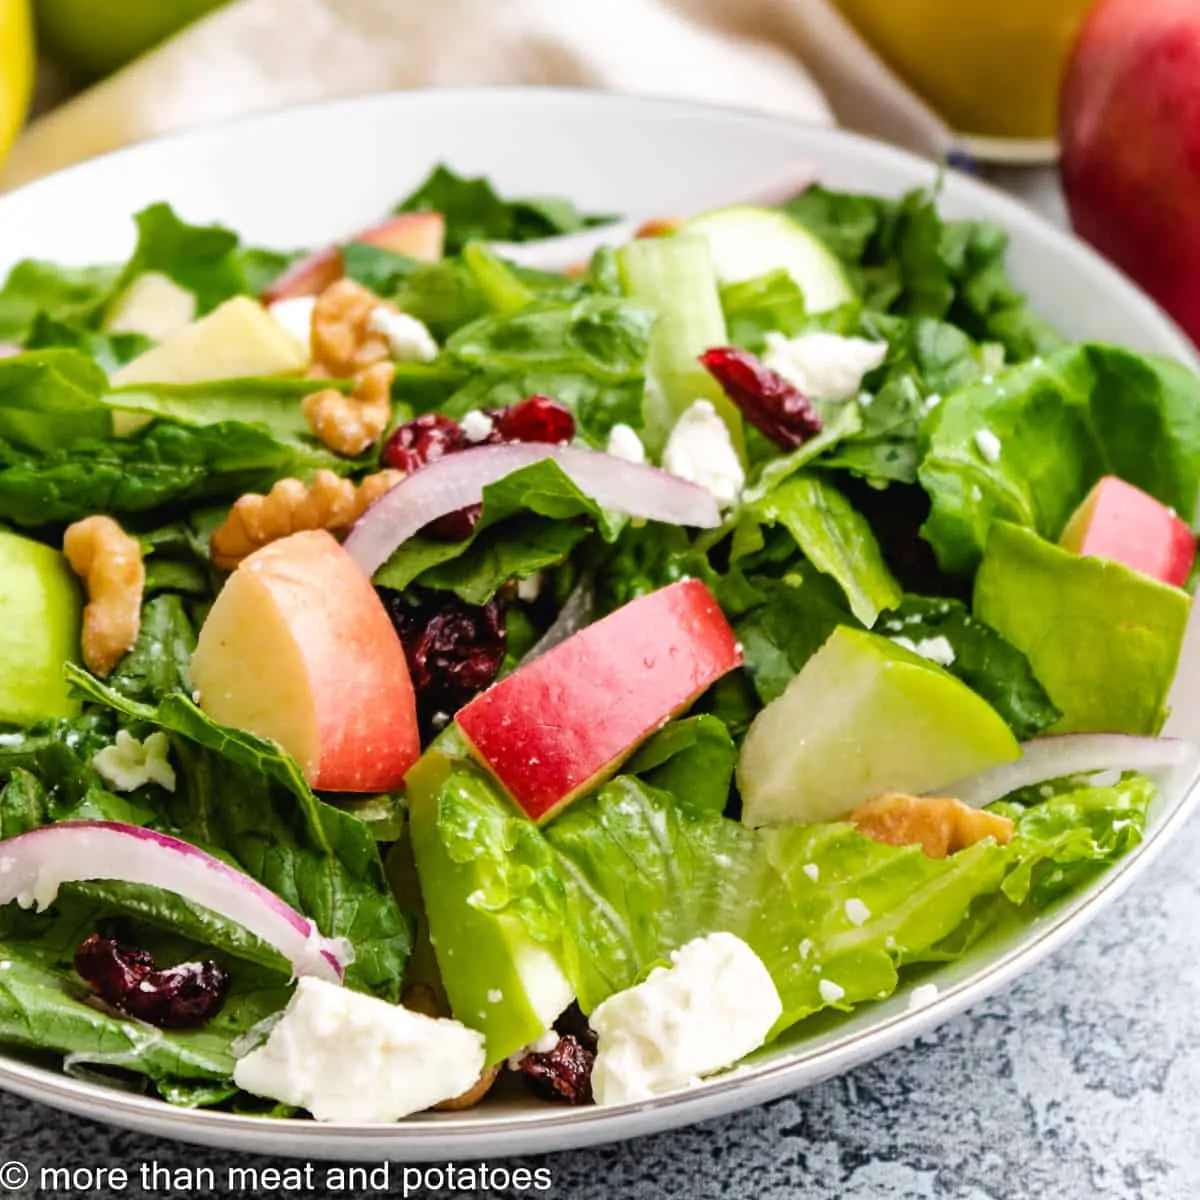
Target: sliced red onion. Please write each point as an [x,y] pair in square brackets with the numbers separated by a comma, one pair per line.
[578,610]
[458,480]
[1072,754]
[572,249]
[34,865]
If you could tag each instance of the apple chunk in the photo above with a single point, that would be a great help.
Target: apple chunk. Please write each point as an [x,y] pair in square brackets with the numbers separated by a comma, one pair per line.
[418,235]
[298,648]
[560,724]
[1121,522]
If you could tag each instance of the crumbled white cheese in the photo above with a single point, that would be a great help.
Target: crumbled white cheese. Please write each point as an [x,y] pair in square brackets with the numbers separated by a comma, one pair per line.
[623,442]
[294,316]
[714,1005]
[129,764]
[699,450]
[824,365]
[347,1056]
[477,426]
[988,445]
[831,992]
[541,1045]
[812,871]
[857,913]
[408,338]
[530,588]
[920,996]
[936,649]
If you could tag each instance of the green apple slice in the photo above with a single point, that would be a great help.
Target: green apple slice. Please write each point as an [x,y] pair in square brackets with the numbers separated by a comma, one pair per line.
[39,631]
[1103,639]
[498,978]
[864,716]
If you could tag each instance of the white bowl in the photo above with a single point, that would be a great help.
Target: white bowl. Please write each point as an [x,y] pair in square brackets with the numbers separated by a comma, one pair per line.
[309,175]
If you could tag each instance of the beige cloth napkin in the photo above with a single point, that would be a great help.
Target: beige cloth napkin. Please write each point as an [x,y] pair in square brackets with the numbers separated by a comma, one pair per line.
[794,57]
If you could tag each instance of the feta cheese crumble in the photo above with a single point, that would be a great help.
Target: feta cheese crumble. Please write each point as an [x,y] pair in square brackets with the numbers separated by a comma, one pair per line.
[530,588]
[920,996]
[129,764]
[831,992]
[857,913]
[936,649]
[408,338]
[824,365]
[294,317]
[699,450]
[988,445]
[812,871]
[623,442]
[714,1004]
[347,1056]
[477,426]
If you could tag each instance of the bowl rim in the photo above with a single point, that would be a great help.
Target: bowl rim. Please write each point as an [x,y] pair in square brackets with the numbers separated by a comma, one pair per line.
[432,1136]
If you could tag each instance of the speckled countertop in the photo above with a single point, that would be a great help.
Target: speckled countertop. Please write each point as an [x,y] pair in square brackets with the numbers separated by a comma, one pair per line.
[1082,1082]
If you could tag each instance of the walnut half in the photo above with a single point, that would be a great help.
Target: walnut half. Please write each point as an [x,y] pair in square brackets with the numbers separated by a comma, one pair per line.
[940,825]
[109,562]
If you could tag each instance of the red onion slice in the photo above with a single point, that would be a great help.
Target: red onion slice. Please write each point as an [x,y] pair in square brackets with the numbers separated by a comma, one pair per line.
[572,249]
[34,865]
[458,480]
[1072,754]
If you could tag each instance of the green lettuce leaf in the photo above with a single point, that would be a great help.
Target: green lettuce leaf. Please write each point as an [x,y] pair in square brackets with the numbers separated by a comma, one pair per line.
[207,260]
[244,798]
[49,398]
[531,519]
[832,535]
[905,259]
[68,295]
[693,759]
[1062,842]
[107,350]
[158,664]
[474,212]
[1062,422]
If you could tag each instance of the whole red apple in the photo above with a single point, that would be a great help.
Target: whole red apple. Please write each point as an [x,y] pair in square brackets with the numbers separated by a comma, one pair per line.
[1130,134]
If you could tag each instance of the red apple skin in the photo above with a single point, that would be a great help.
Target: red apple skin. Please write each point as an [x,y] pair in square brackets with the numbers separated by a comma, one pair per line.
[417,235]
[1130,137]
[556,727]
[342,675]
[1121,522]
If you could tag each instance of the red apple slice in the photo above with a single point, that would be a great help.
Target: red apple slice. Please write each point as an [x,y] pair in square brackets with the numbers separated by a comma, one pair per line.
[298,648]
[556,727]
[1121,522]
[418,235]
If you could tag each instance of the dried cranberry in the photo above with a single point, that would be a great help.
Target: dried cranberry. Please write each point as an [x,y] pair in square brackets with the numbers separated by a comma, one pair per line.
[536,419]
[564,1073]
[455,526]
[769,402]
[423,440]
[454,649]
[173,998]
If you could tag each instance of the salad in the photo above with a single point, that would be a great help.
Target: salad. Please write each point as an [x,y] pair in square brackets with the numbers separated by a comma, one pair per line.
[507,650]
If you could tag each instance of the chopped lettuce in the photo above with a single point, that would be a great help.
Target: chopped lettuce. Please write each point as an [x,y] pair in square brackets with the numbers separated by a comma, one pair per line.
[832,535]
[1060,423]
[625,875]
[475,212]
[531,519]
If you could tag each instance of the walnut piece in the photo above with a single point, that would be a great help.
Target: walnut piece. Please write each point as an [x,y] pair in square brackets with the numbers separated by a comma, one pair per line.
[329,502]
[109,562]
[347,425]
[343,342]
[939,824]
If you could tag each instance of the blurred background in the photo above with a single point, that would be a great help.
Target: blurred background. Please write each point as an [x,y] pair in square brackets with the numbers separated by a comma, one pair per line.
[1107,92]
